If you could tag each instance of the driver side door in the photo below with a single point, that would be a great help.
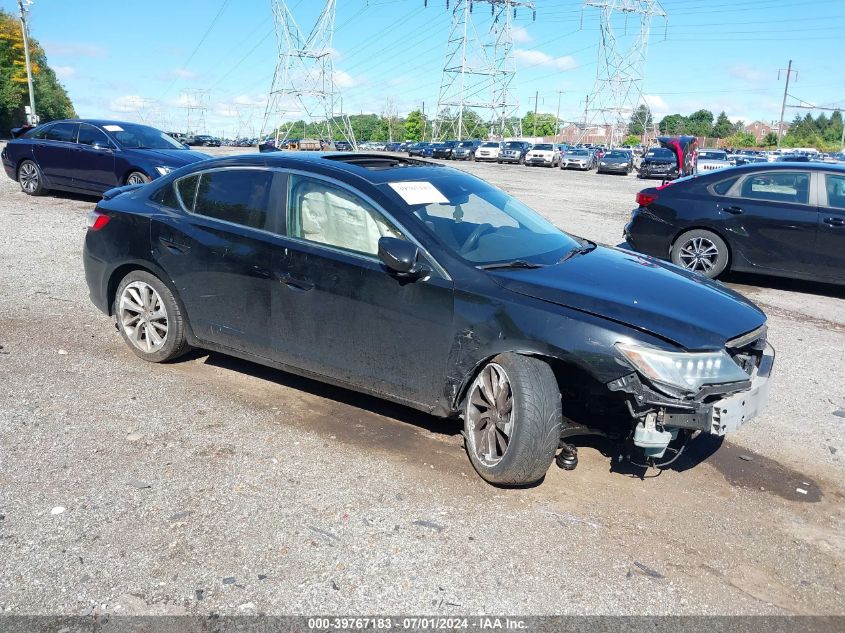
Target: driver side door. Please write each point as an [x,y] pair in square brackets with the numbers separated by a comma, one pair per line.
[337,310]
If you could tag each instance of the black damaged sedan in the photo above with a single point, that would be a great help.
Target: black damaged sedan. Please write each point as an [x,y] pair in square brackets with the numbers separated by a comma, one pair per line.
[429,287]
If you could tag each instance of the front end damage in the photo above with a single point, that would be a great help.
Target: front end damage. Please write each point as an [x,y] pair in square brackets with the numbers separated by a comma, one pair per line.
[664,417]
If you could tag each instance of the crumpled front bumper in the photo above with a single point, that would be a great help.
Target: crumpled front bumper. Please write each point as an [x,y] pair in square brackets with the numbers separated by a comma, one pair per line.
[715,409]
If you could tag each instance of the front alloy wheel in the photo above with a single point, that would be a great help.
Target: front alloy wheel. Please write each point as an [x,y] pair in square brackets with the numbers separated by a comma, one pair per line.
[512,420]
[701,251]
[137,178]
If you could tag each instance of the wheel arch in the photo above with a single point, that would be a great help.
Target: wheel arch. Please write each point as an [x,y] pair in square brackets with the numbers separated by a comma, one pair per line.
[120,271]
[703,227]
[129,170]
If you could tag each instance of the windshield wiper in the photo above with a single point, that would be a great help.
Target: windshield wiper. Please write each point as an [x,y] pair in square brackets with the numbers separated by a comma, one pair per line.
[517,263]
[583,249]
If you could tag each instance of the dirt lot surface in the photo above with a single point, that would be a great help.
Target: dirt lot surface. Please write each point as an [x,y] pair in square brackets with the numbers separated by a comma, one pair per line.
[212,484]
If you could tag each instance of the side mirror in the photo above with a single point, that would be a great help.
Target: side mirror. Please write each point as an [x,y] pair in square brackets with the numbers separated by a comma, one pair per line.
[186,146]
[400,256]
[103,147]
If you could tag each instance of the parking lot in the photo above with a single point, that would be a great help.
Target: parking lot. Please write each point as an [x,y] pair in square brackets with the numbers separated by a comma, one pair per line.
[213,484]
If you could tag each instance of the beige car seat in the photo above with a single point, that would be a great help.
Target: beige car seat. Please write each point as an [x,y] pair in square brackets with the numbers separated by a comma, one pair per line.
[333,217]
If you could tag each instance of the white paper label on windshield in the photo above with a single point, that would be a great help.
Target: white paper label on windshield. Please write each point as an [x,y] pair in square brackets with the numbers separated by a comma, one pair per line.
[418,192]
[113,128]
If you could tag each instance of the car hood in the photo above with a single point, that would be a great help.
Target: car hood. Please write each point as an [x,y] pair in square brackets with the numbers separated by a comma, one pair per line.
[620,161]
[171,157]
[647,294]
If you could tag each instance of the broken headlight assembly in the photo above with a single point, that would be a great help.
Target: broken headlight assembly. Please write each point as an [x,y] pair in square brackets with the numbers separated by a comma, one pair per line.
[684,371]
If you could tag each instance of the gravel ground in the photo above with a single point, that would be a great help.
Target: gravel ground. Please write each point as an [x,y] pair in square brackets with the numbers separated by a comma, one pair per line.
[212,484]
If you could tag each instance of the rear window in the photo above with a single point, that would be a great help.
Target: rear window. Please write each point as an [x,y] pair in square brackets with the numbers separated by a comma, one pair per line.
[63,132]
[239,196]
[778,186]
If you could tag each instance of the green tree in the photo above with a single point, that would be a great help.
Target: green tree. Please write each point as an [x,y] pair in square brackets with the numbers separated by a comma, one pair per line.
[641,120]
[51,99]
[700,123]
[632,139]
[546,124]
[723,126]
[770,140]
[414,126]
[672,124]
[741,139]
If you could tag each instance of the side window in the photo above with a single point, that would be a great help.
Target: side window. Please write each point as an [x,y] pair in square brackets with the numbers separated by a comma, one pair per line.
[187,188]
[63,132]
[89,135]
[835,186]
[778,186]
[721,188]
[39,132]
[167,196]
[320,212]
[240,196]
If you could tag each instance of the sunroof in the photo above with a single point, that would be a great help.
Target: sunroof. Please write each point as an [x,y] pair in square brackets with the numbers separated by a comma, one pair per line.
[374,161]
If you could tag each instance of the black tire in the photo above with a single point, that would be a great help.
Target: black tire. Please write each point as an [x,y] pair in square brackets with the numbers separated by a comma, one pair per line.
[701,241]
[31,179]
[536,422]
[175,343]
[136,175]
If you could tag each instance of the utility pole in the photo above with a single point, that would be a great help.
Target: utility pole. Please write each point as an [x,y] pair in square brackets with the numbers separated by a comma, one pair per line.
[789,71]
[536,102]
[23,8]
[557,115]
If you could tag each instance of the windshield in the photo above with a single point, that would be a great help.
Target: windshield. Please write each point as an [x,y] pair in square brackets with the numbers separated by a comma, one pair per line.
[482,224]
[513,145]
[466,144]
[659,152]
[579,152]
[712,155]
[490,145]
[133,136]
[620,155]
[544,146]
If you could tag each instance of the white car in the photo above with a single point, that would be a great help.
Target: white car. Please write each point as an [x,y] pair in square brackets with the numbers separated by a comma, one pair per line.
[544,154]
[711,160]
[488,150]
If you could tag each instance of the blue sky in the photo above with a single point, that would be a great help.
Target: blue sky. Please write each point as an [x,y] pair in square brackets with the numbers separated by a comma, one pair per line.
[136,61]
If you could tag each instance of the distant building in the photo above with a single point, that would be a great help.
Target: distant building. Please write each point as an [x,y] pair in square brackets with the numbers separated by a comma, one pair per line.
[759,130]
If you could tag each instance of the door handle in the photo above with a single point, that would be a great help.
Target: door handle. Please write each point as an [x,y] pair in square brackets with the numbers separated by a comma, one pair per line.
[296,284]
[834,221]
[734,210]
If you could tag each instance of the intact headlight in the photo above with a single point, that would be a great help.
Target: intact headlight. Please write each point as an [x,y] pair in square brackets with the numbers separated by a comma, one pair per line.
[688,371]
[603,164]
[163,170]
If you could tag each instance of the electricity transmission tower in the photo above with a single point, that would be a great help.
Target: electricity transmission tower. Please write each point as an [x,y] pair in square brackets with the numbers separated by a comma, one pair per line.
[623,49]
[196,105]
[304,81]
[475,89]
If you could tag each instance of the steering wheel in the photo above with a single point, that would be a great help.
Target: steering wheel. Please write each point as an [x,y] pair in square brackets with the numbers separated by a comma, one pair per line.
[472,240]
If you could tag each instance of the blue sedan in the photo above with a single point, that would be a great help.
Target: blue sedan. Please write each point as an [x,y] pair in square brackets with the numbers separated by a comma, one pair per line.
[91,156]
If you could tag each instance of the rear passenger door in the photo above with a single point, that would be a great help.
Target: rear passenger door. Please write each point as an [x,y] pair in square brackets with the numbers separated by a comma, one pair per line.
[56,153]
[831,235]
[772,220]
[218,251]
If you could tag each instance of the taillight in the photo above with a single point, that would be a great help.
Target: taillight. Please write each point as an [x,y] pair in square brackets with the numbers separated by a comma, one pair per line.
[97,220]
[645,199]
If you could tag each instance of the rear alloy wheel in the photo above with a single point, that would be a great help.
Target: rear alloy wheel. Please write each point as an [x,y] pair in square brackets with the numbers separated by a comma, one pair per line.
[137,178]
[512,420]
[701,251]
[30,179]
[148,317]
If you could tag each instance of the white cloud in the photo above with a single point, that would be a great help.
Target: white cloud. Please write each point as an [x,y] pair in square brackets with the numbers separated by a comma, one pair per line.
[539,58]
[343,79]
[520,35]
[74,49]
[182,73]
[128,103]
[64,72]
[656,104]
